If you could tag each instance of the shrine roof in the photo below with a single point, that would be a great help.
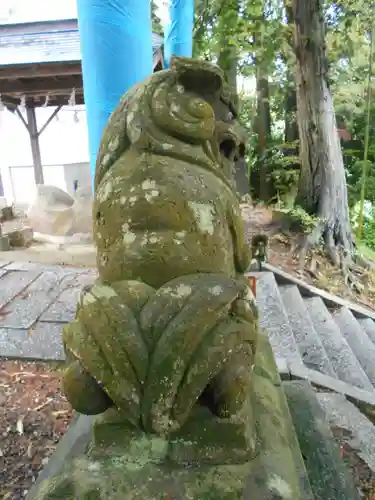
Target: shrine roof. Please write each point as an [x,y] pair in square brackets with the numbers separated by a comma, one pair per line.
[45,42]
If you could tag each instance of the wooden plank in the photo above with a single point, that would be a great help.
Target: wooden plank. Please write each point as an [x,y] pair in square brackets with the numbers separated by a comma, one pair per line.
[41,86]
[40,70]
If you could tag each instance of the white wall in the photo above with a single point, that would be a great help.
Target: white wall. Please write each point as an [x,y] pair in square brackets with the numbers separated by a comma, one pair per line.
[64,152]
[21,11]
[22,184]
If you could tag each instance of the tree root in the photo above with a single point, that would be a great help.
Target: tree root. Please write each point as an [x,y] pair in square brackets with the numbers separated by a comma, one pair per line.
[340,253]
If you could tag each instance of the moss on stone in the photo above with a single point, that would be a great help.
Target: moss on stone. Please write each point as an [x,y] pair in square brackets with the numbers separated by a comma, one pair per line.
[166,339]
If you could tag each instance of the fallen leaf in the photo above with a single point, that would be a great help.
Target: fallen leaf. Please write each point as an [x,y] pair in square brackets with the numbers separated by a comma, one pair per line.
[20,426]
[30,450]
[59,413]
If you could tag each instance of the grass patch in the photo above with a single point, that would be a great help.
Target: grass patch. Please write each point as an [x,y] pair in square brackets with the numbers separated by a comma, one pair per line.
[369,253]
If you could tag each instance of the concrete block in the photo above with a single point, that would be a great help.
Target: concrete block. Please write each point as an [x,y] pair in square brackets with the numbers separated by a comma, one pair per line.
[74,442]
[310,345]
[340,354]
[12,284]
[358,340]
[274,319]
[308,291]
[344,414]
[368,326]
[40,344]
[328,475]
[25,309]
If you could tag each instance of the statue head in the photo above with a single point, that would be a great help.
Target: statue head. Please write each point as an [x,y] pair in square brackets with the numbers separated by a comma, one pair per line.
[186,112]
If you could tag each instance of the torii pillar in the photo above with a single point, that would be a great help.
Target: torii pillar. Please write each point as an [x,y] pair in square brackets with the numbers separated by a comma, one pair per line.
[116,48]
[178,32]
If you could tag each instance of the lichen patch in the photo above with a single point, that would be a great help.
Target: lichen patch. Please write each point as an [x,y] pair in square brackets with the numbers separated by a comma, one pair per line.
[204,216]
[216,290]
[148,184]
[278,485]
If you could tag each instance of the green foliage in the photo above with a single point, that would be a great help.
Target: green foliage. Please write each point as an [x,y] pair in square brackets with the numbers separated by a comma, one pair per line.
[247,111]
[156,25]
[262,40]
[354,170]
[285,182]
[300,219]
[368,235]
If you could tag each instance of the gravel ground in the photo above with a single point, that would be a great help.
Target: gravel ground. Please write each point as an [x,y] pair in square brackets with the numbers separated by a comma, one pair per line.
[364,477]
[34,413]
[33,416]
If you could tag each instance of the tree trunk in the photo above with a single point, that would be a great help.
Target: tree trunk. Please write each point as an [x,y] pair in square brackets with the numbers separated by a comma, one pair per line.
[291,125]
[322,189]
[263,118]
[228,52]
[227,61]
[262,122]
[290,99]
[263,131]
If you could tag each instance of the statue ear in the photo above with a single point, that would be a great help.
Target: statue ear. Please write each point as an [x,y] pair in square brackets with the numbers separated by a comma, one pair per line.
[197,75]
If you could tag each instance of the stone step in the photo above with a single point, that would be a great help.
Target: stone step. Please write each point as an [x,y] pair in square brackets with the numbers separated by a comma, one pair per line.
[329,477]
[74,442]
[274,319]
[310,345]
[358,340]
[340,354]
[341,413]
[368,325]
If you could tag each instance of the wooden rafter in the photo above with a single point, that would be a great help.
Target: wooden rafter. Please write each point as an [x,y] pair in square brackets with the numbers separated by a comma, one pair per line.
[31,127]
[48,121]
[41,86]
[54,100]
[40,70]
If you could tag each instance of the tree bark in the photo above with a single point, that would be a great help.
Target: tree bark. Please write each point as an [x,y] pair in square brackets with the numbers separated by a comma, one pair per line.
[322,189]
[228,51]
[290,99]
[227,61]
[262,122]
[291,125]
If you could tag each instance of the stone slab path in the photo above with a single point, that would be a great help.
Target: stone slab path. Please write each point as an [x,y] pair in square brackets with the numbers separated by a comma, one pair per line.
[36,300]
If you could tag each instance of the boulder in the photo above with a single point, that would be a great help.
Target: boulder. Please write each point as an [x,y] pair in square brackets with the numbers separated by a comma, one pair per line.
[54,212]
[20,237]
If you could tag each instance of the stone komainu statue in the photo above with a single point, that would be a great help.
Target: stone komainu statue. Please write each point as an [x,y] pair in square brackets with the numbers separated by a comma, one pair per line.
[173,318]
[164,343]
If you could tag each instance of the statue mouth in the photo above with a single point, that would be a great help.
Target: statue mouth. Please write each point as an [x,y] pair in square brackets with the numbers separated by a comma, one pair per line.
[230,149]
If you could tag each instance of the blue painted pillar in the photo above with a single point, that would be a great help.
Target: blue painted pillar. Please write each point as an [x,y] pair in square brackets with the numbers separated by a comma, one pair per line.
[178,33]
[116,48]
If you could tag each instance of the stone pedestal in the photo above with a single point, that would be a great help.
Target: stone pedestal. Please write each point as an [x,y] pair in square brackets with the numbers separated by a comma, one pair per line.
[203,460]
[166,348]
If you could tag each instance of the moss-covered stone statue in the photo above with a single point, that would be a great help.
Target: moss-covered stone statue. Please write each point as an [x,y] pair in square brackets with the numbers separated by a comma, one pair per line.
[165,347]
